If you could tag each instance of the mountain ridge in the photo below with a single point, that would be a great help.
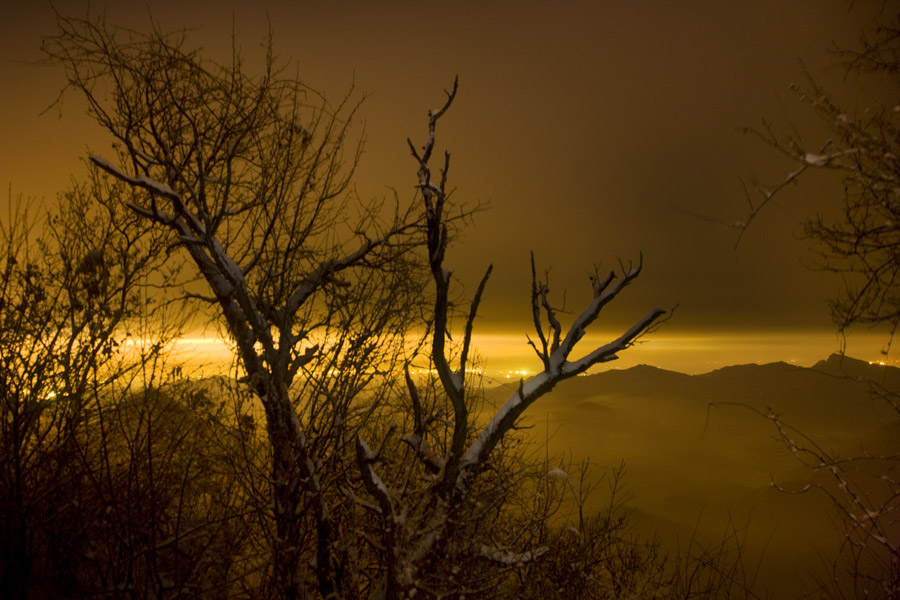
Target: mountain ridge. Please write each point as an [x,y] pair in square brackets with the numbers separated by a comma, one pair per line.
[702,451]
[835,363]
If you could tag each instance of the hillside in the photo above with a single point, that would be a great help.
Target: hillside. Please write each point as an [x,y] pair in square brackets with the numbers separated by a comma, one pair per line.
[699,449]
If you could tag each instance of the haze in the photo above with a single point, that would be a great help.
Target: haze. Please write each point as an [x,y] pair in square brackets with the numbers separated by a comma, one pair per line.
[592,134]
[587,129]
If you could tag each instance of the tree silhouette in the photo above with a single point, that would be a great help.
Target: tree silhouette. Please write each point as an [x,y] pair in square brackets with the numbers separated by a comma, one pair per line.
[863,147]
[863,246]
[319,293]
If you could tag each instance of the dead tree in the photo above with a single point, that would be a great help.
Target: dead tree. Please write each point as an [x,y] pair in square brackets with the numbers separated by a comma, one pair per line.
[251,178]
[861,144]
[417,522]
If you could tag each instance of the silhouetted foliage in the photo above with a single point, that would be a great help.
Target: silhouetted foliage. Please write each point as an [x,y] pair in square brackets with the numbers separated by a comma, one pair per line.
[70,287]
[863,147]
[353,455]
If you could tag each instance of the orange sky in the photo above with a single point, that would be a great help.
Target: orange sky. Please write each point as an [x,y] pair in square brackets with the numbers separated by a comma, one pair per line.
[585,125]
[504,355]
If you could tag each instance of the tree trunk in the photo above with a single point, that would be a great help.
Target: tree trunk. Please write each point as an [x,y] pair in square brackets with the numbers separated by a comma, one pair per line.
[287,493]
[16,560]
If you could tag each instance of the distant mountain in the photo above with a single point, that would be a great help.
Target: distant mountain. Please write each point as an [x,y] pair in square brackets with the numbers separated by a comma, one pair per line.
[834,398]
[828,395]
[700,450]
[844,366]
[640,379]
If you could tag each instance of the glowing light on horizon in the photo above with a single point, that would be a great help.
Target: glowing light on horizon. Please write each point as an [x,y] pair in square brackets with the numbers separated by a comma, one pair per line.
[507,356]
[521,373]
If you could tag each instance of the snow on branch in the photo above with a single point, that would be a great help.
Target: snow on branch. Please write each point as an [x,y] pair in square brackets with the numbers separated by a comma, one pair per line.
[418,520]
[365,457]
[434,115]
[557,366]
[433,463]
[608,352]
[511,559]
[221,271]
[141,181]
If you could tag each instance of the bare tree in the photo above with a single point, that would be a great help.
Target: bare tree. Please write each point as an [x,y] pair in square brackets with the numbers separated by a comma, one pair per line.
[70,287]
[864,490]
[251,177]
[158,512]
[863,148]
[421,515]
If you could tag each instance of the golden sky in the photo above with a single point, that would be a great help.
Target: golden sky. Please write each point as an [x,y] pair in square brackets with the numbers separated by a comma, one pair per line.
[587,126]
